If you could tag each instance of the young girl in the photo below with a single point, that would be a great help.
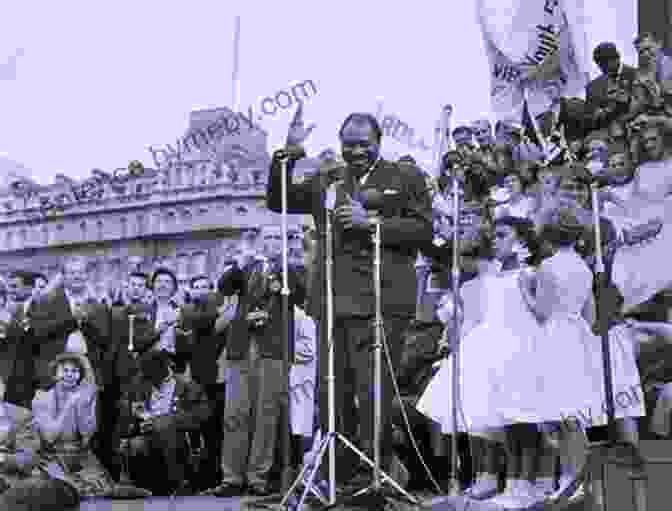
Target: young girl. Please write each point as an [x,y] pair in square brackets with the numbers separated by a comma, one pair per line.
[565,365]
[496,325]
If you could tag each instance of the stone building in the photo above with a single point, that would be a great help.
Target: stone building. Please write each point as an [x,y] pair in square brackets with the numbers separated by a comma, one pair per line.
[187,215]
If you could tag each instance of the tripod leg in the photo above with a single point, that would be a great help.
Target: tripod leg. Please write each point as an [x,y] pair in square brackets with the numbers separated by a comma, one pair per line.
[385,477]
[326,442]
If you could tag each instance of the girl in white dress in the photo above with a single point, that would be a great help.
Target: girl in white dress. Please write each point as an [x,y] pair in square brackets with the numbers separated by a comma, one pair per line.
[496,326]
[565,365]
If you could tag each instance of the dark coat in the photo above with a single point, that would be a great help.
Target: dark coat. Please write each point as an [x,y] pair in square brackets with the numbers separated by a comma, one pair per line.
[192,408]
[123,366]
[205,345]
[406,227]
[269,338]
[17,361]
[596,96]
[52,322]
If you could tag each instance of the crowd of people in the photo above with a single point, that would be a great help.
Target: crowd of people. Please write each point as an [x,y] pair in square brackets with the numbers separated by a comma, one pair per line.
[94,390]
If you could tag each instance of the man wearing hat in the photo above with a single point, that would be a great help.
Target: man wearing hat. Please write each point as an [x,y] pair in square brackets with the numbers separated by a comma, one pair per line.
[608,96]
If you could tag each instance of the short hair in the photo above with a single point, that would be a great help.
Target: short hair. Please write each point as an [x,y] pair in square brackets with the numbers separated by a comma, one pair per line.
[165,271]
[361,118]
[139,275]
[605,51]
[201,276]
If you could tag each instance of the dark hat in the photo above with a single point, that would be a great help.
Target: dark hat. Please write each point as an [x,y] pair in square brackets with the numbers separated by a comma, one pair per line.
[605,51]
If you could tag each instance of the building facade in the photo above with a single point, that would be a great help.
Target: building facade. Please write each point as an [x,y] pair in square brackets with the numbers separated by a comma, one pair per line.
[189,215]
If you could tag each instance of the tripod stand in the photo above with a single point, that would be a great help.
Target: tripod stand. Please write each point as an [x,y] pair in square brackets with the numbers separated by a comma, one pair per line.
[329,441]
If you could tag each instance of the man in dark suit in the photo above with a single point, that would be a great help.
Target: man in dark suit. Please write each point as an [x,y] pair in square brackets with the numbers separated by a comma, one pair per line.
[16,349]
[123,362]
[69,317]
[608,96]
[401,200]
[204,348]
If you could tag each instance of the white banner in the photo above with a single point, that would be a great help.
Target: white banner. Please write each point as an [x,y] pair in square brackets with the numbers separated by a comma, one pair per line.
[538,45]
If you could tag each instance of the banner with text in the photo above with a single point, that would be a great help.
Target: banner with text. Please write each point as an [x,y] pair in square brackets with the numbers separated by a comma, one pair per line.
[537,50]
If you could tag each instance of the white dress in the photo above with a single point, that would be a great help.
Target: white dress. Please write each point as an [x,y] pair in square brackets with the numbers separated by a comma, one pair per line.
[564,364]
[497,327]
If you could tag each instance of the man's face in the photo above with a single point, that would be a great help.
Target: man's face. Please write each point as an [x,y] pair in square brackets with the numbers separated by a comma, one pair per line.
[619,165]
[164,286]
[136,288]
[652,143]
[271,239]
[200,289]
[17,291]
[647,51]
[505,237]
[359,146]
[75,277]
[68,374]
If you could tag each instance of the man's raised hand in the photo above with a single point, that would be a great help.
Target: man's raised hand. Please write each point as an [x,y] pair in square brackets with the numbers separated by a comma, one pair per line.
[298,133]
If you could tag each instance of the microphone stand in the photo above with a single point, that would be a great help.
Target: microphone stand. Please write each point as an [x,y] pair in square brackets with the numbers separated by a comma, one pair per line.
[125,477]
[454,481]
[612,452]
[329,440]
[286,477]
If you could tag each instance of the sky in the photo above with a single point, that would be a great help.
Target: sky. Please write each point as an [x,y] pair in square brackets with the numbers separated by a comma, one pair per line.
[88,85]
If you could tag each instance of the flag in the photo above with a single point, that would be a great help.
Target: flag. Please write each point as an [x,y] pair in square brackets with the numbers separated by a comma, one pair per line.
[537,51]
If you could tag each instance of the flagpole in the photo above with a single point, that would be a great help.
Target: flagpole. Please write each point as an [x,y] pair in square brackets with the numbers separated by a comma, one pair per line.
[235,78]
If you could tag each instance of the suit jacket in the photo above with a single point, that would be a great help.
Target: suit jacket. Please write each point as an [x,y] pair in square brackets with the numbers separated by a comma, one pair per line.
[51,324]
[123,366]
[596,96]
[269,338]
[406,226]
[17,361]
[205,345]
[192,407]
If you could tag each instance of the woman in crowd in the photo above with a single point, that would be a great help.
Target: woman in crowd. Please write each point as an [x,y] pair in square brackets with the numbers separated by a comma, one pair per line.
[496,324]
[65,418]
